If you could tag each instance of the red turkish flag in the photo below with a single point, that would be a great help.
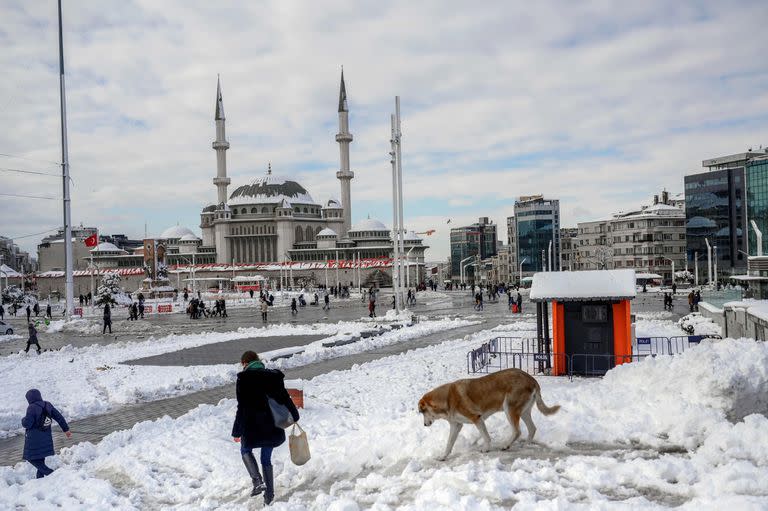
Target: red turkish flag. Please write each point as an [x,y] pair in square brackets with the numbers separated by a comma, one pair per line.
[92,240]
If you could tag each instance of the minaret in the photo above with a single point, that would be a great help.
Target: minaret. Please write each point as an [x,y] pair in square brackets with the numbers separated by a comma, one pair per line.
[344,137]
[220,145]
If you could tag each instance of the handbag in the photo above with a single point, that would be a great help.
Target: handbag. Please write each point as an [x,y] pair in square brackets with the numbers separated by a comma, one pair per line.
[281,415]
[299,446]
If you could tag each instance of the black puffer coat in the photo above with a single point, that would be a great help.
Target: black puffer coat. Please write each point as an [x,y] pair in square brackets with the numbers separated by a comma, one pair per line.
[253,421]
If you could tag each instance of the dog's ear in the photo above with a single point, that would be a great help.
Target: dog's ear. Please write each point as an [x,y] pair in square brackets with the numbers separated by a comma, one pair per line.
[422,405]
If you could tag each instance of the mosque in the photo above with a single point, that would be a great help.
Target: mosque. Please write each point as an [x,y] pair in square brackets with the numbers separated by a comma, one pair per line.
[274,219]
[268,223]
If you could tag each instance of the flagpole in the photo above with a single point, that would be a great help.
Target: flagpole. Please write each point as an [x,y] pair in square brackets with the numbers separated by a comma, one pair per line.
[69,281]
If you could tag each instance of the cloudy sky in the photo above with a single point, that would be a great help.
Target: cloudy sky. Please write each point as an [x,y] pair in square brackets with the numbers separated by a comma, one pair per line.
[599,104]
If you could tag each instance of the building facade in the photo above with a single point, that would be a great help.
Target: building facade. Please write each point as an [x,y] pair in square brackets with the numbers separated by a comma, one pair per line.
[650,240]
[593,249]
[568,248]
[715,212]
[477,240]
[535,224]
[14,257]
[757,202]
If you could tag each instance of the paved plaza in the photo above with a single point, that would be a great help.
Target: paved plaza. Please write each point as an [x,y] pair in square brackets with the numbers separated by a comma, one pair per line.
[92,429]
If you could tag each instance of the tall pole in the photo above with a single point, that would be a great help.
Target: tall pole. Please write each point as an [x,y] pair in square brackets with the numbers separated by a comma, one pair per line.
[709,261]
[696,269]
[401,222]
[395,245]
[549,252]
[68,279]
[714,251]
[337,271]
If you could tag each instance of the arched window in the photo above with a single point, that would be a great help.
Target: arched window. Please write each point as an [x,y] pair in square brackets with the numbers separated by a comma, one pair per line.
[253,211]
[264,210]
[310,235]
[242,211]
[299,235]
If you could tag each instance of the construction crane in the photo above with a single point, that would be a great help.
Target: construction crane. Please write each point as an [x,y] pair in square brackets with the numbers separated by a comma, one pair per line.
[428,232]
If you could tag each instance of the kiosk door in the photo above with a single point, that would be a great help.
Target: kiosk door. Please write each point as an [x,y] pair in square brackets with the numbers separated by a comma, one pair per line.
[589,337]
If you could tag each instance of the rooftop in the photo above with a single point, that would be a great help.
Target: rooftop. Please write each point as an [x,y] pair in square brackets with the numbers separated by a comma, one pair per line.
[569,286]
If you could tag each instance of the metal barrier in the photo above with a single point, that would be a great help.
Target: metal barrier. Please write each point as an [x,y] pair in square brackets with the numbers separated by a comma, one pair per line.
[522,353]
[667,345]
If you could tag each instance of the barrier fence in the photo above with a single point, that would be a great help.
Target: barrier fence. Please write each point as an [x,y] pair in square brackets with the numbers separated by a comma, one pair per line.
[523,353]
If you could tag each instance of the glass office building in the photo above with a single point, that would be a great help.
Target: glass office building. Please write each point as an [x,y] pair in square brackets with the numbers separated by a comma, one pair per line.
[757,201]
[476,240]
[716,210]
[536,223]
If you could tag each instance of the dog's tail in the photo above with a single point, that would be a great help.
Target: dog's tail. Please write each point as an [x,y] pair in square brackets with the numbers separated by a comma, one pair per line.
[546,410]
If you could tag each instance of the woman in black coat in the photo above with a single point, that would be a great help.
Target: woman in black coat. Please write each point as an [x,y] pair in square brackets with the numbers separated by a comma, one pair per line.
[254,426]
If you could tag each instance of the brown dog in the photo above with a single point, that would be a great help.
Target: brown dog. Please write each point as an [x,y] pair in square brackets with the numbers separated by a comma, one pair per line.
[471,401]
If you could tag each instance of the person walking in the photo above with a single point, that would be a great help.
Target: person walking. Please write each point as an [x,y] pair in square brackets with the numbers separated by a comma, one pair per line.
[36,309]
[294,308]
[32,339]
[264,308]
[327,300]
[38,440]
[674,288]
[141,309]
[691,298]
[519,302]
[107,319]
[372,308]
[29,313]
[254,427]
[2,312]
[48,313]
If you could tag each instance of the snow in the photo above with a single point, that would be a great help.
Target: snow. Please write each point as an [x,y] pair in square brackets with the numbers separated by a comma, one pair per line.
[649,435]
[8,272]
[92,380]
[582,285]
[369,224]
[696,324]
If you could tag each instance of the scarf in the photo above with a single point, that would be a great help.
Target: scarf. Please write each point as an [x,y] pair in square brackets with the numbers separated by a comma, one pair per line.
[256,364]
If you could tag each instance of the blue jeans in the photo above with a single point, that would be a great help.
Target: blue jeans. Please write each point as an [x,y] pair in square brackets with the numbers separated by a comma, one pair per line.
[42,469]
[266,455]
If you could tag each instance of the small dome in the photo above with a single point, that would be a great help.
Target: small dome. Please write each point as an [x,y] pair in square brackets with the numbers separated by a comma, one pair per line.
[369,224]
[175,232]
[189,237]
[332,204]
[327,232]
[106,246]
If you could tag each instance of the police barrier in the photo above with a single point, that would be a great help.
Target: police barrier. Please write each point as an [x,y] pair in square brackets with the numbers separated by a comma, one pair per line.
[522,353]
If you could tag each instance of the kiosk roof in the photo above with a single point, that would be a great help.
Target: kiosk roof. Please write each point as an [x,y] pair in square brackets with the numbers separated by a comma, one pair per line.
[569,286]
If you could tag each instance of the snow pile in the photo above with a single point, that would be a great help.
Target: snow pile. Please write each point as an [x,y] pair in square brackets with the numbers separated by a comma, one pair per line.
[696,324]
[615,444]
[91,380]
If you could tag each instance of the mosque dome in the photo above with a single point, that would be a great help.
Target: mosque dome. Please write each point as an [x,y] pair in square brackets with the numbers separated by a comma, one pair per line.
[270,189]
[327,232]
[105,247]
[176,232]
[189,237]
[369,224]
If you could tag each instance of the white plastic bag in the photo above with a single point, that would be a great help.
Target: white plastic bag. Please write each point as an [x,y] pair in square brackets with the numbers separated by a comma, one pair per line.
[299,446]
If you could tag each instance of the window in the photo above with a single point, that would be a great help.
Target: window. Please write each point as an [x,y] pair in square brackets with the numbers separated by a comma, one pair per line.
[264,210]
[242,211]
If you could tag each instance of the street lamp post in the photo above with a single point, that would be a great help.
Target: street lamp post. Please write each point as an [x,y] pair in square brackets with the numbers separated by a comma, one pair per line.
[709,261]
[461,268]
[521,269]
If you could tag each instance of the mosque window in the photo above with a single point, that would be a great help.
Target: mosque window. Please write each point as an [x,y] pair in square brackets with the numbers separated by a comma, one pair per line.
[253,210]
[242,211]
[264,210]
[310,234]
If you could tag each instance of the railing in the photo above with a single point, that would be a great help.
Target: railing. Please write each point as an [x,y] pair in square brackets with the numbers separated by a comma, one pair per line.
[522,353]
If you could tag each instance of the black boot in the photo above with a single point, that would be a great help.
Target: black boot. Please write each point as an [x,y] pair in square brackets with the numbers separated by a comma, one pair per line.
[269,481]
[253,470]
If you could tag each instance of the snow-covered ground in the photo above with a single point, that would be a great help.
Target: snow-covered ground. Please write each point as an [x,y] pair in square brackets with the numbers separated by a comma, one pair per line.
[687,430]
[92,380]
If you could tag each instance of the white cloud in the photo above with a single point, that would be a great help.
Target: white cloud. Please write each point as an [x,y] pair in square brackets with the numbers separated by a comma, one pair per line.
[590,103]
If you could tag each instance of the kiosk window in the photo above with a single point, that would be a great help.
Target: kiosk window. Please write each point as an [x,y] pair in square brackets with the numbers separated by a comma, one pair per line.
[594,313]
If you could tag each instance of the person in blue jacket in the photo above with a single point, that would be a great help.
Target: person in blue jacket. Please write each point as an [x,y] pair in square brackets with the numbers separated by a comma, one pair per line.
[38,440]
